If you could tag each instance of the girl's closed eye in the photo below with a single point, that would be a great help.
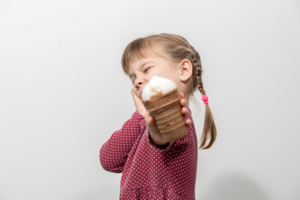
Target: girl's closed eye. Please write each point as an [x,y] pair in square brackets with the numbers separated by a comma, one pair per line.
[147,69]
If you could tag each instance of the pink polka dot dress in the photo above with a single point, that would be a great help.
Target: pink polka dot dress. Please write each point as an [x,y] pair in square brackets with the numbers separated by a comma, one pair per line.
[148,171]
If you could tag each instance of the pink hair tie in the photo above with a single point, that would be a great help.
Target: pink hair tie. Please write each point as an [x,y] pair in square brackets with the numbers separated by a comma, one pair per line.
[205,99]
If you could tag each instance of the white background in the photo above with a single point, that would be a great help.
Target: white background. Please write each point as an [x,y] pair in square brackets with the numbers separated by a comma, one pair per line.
[63,93]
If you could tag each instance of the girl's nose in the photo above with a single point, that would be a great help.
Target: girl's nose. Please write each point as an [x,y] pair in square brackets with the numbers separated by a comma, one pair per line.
[138,83]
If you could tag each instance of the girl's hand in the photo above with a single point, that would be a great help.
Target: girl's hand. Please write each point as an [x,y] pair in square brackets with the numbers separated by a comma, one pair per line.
[185,112]
[156,136]
[138,103]
[149,120]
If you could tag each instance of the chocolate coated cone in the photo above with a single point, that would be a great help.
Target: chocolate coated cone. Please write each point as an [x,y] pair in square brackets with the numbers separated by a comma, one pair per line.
[166,111]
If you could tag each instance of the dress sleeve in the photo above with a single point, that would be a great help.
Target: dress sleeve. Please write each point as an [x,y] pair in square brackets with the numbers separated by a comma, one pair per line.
[114,152]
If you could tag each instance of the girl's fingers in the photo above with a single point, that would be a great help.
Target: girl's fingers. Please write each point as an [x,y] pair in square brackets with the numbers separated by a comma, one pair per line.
[150,120]
[182,102]
[188,122]
[185,111]
[133,94]
[181,96]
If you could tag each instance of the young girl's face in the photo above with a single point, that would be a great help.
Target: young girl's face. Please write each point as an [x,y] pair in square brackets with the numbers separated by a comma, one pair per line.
[142,70]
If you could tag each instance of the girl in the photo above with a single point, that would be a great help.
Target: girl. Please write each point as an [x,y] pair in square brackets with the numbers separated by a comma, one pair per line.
[152,167]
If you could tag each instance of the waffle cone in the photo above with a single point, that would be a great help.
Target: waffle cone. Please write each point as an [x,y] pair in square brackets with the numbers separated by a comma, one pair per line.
[166,111]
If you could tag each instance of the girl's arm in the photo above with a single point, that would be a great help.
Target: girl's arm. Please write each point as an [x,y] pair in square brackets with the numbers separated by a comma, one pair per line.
[114,152]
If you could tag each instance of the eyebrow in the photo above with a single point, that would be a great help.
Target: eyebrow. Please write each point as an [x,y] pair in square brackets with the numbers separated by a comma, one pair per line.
[133,75]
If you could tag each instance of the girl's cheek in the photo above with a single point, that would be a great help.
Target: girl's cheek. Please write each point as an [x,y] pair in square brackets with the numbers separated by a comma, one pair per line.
[149,76]
[154,71]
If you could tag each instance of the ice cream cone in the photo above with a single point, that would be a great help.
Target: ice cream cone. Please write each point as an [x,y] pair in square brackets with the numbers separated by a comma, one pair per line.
[166,110]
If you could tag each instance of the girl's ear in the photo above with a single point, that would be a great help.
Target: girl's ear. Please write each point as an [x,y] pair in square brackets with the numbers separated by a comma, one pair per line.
[186,69]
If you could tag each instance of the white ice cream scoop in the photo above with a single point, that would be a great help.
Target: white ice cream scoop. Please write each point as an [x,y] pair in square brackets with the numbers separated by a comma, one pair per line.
[157,85]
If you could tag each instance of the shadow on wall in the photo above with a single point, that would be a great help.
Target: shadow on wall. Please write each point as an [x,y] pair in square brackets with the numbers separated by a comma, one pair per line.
[232,186]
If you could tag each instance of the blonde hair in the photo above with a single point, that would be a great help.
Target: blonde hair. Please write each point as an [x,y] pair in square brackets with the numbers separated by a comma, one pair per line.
[177,49]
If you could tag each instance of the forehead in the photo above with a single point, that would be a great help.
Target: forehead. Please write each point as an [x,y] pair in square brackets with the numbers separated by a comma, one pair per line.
[140,61]
[145,50]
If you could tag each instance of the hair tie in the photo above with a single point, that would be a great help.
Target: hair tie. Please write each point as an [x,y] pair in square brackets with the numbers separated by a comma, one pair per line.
[205,99]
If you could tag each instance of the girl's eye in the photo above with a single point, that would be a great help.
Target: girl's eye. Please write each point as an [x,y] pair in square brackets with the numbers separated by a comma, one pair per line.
[147,69]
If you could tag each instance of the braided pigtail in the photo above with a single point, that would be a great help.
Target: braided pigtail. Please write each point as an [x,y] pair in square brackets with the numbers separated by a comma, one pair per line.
[209,128]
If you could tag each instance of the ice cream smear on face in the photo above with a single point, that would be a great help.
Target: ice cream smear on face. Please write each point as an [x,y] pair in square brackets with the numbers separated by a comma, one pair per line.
[156,87]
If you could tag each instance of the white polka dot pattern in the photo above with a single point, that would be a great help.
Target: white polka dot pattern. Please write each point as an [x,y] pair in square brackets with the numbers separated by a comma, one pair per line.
[148,171]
